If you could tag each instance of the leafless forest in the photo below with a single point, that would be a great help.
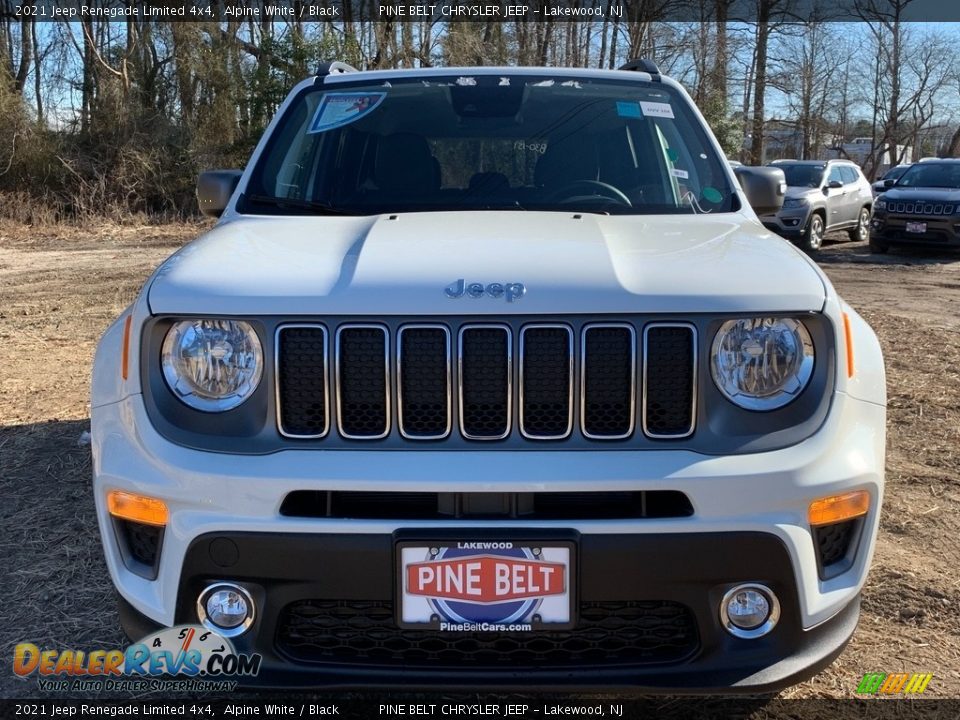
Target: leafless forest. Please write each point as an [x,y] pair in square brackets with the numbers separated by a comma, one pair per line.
[116,118]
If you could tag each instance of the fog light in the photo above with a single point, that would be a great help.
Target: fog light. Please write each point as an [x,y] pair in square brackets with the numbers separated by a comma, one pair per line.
[749,611]
[225,608]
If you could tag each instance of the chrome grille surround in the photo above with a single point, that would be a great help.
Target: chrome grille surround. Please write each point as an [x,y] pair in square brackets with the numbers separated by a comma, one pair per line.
[695,389]
[570,381]
[400,390]
[603,408]
[509,380]
[583,379]
[339,380]
[326,377]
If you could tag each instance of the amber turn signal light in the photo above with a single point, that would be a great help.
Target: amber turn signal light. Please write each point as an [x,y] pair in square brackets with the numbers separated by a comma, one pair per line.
[125,350]
[848,339]
[137,508]
[837,508]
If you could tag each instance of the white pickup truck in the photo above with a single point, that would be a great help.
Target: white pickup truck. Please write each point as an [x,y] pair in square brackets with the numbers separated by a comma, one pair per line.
[492,377]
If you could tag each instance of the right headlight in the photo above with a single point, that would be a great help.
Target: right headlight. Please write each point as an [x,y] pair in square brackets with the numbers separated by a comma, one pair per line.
[212,365]
[762,363]
[880,204]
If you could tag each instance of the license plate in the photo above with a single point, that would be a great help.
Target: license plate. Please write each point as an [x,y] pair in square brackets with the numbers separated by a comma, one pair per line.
[485,586]
[916,227]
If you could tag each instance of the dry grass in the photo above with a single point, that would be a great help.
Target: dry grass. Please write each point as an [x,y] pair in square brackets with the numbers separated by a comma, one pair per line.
[60,287]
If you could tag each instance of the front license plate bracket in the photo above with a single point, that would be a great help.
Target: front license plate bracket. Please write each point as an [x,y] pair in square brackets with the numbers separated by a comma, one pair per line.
[480,583]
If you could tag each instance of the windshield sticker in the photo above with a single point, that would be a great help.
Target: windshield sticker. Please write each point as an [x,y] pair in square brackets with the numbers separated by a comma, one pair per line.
[712,195]
[628,109]
[656,109]
[678,173]
[339,109]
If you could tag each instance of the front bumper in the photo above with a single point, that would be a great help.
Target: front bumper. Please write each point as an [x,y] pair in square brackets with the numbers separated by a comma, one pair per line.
[303,650]
[892,229]
[790,222]
[749,524]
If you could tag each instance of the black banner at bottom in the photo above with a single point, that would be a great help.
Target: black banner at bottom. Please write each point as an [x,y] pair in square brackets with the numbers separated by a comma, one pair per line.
[482,708]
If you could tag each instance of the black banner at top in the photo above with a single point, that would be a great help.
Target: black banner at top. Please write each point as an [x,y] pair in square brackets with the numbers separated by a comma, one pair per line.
[445,11]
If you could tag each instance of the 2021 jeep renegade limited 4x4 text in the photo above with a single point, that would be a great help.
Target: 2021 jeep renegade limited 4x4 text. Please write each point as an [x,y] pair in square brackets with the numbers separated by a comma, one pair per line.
[492,376]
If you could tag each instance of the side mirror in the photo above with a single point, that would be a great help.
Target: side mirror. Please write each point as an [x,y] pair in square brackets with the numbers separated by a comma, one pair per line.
[834,184]
[890,182]
[764,188]
[214,189]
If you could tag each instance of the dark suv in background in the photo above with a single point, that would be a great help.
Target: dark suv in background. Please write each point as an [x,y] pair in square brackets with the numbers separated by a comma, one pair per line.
[822,196]
[921,208]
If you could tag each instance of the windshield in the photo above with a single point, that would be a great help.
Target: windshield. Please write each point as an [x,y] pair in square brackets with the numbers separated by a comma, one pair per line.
[489,142]
[802,175]
[932,175]
[895,172]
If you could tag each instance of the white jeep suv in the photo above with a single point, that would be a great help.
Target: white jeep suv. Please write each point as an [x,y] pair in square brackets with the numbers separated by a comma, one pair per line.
[492,376]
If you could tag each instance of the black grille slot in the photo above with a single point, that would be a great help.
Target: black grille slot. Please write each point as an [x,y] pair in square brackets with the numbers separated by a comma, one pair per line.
[424,382]
[485,382]
[546,381]
[669,372]
[609,371]
[527,506]
[302,381]
[345,632]
[833,543]
[362,402]
[139,546]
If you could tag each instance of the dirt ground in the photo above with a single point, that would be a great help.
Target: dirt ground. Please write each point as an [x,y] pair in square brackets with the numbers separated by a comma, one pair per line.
[60,288]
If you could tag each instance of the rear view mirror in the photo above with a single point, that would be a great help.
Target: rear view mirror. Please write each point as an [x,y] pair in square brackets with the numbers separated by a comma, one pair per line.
[889,182]
[764,188]
[834,184]
[214,189]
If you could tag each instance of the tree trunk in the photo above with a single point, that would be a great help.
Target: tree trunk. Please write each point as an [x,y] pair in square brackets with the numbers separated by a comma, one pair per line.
[760,83]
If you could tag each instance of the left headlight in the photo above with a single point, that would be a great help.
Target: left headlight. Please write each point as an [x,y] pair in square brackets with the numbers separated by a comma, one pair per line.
[762,363]
[795,202]
[212,365]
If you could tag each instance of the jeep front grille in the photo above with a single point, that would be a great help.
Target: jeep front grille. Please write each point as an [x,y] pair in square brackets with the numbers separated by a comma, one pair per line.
[541,382]
[920,208]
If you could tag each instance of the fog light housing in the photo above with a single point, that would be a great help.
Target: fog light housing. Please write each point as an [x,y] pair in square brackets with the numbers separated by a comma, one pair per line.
[225,608]
[749,611]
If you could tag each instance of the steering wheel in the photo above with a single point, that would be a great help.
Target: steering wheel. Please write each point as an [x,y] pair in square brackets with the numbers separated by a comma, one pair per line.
[594,188]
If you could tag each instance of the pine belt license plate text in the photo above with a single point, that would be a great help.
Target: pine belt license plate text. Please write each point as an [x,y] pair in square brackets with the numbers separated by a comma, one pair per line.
[485,586]
[916,227]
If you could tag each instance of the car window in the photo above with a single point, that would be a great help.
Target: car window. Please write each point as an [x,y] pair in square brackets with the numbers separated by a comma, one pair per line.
[802,175]
[848,174]
[895,172]
[934,175]
[490,142]
[835,175]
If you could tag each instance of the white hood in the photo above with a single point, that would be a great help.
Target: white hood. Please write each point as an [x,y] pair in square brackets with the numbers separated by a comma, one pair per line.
[569,264]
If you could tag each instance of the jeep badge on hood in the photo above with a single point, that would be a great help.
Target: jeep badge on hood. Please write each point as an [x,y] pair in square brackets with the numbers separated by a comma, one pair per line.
[459,288]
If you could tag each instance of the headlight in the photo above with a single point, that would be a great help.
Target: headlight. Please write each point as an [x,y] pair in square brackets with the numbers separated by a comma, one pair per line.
[212,365]
[795,202]
[880,204]
[762,363]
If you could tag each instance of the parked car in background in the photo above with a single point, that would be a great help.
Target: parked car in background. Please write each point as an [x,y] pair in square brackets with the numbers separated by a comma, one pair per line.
[822,196]
[921,208]
[889,178]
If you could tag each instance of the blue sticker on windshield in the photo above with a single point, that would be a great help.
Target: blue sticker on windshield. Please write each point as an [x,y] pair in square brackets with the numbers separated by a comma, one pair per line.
[339,109]
[628,109]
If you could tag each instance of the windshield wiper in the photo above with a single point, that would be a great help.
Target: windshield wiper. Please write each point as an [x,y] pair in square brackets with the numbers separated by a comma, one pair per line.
[318,208]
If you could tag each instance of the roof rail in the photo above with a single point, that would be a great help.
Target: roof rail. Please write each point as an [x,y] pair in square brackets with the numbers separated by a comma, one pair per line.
[334,68]
[643,64]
